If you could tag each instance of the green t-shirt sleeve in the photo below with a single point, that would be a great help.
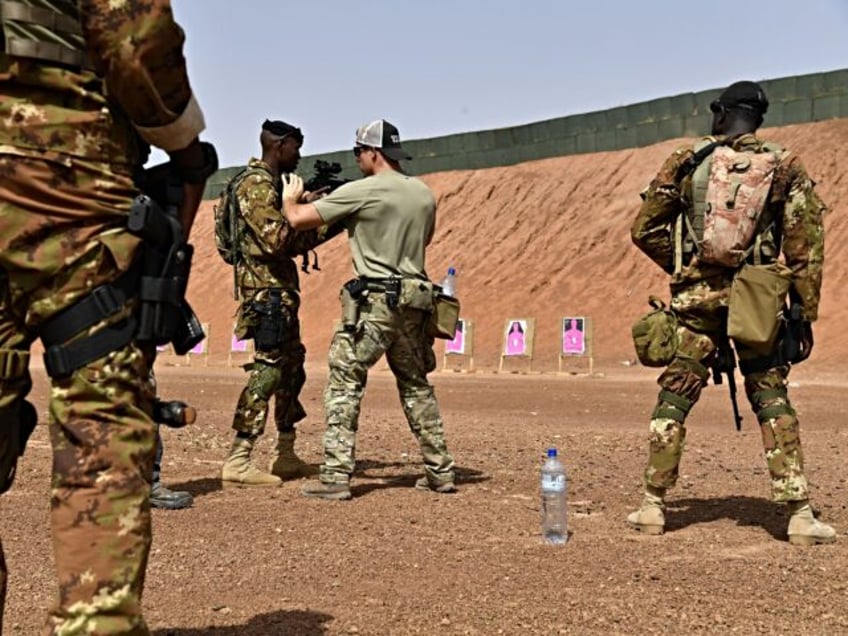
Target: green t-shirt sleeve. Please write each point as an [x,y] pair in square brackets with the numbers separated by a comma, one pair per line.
[343,201]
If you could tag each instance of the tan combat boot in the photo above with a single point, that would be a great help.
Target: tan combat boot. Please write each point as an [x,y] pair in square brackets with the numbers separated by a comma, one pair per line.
[650,518]
[288,465]
[238,470]
[804,528]
[320,490]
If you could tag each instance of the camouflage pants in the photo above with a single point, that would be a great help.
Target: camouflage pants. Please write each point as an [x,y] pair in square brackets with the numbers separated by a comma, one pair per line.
[681,384]
[277,372]
[399,333]
[61,234]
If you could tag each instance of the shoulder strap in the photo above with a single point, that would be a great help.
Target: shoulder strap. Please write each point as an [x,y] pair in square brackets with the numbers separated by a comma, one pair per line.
[234,219]
[700,171]
[703,149]
[692,226]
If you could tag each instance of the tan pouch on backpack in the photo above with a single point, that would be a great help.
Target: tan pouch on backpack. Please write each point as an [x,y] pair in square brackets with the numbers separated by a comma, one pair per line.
[757,298]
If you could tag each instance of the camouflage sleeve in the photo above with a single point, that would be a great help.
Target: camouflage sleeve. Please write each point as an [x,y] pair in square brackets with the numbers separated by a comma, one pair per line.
[259,204]
[138,48]
[661,203]
[803,237]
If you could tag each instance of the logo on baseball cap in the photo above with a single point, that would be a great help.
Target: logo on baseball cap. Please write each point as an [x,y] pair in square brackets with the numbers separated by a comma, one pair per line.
[384,136]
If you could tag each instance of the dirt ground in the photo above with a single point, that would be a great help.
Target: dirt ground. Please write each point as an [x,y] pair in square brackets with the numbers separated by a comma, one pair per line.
[398,561]
[541,240]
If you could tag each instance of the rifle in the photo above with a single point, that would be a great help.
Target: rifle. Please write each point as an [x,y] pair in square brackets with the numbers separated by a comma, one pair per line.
[725,363]
[325,178]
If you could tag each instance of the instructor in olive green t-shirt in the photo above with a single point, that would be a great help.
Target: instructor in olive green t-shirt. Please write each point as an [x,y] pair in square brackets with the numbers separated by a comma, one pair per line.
[390,218]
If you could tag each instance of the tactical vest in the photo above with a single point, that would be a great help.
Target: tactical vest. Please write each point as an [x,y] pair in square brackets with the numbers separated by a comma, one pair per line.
[698,230]
[47,30]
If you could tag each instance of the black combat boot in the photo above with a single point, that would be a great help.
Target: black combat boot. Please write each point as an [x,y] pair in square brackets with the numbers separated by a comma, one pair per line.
[173,413]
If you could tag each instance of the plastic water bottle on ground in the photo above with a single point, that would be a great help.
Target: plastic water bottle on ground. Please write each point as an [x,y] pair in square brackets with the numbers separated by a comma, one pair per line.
[448,284]
[554,511]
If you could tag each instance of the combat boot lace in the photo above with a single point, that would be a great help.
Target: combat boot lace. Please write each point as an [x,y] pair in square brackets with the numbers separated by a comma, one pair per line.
[805,529]
[650,518]
[288,465]
[238,470]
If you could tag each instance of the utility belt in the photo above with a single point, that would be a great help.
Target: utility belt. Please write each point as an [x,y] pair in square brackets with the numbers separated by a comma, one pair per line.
[157,279]
[399,293]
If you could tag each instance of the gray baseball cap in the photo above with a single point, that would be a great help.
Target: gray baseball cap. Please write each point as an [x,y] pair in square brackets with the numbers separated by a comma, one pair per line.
[384,136]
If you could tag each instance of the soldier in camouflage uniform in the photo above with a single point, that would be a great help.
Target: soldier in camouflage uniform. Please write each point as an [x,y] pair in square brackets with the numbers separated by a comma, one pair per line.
[68,155]
[390,219]
[792,217]
[268,290]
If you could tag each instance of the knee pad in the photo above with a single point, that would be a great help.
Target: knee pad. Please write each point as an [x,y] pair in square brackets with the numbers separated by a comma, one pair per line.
[265,379]
[771,404]
[672,406]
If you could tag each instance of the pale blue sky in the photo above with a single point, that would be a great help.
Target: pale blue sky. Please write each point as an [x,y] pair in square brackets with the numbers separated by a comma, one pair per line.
[441,67]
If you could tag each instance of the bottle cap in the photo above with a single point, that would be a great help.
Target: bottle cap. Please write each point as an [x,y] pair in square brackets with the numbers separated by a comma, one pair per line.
[451,271]
[552,452]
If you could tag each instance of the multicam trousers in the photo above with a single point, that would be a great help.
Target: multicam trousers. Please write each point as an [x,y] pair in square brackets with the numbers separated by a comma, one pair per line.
[681,384]
[399,333]
[277,372]
[62,234]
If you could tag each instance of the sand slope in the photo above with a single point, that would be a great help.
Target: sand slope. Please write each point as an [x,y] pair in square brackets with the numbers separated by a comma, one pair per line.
[543,240]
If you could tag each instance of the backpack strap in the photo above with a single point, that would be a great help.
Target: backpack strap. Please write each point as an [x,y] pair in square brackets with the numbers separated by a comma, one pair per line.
[687,229]
[700,172]
[234,218]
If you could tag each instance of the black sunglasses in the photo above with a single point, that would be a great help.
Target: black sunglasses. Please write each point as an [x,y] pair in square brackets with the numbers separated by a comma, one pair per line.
[358,150]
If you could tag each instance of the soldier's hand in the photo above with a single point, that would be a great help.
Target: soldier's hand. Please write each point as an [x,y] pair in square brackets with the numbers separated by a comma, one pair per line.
[806,341]
[292,188]
[320,193]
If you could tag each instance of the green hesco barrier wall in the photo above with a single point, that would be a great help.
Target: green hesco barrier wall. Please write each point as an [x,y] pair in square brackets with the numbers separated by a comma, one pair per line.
[793,100]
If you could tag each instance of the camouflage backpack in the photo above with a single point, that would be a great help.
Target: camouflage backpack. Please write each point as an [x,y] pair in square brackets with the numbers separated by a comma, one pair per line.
[729,193]
[228,222]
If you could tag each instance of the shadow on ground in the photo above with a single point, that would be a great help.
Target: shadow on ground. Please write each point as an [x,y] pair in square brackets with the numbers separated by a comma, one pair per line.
[279,623]
[745,511]
[464,477]
[206,485]
[198,487]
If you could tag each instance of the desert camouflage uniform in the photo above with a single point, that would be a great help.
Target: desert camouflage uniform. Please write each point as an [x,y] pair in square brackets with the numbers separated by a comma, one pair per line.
[267,247]
[398,333]
[67,158]
[700,296]
[389,218]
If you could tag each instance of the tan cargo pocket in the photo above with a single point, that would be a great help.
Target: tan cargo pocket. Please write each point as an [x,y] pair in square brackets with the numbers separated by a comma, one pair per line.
[757,298]
[655,335]
[442,322]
